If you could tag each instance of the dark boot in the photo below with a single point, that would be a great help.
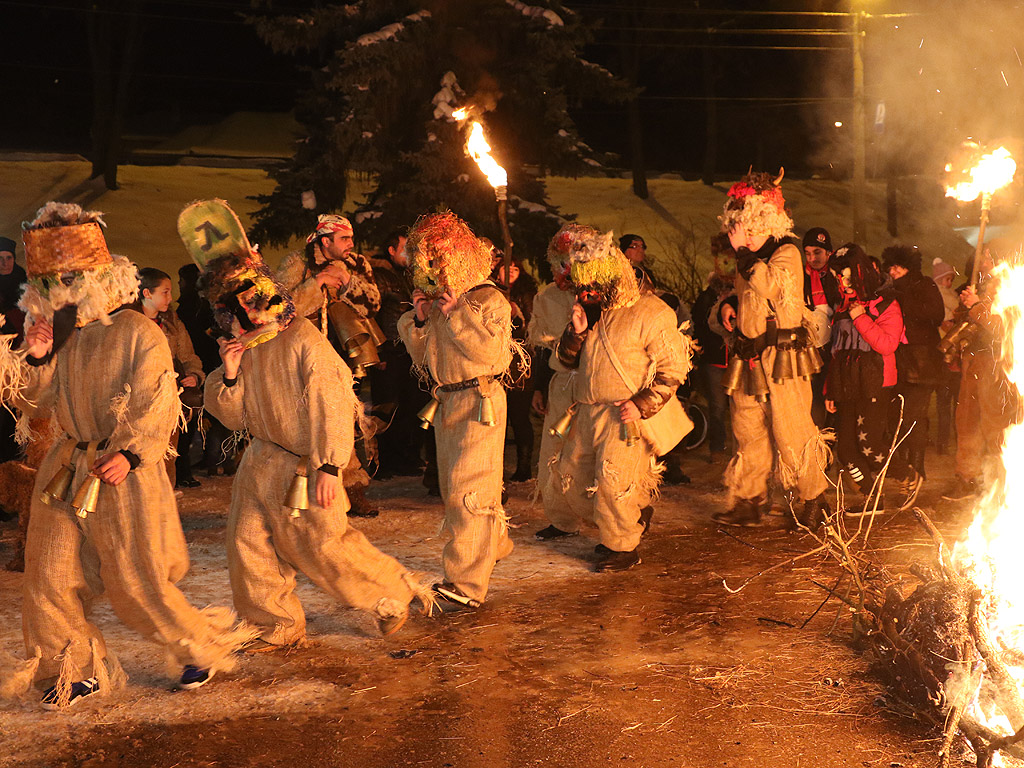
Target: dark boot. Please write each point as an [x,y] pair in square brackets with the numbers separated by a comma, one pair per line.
[646,515]
[361,506]
[612,561]
[551,532]
[812,515]
[524,458]
[745,513]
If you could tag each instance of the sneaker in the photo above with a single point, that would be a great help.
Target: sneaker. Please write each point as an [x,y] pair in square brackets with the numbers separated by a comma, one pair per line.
[450,598]
[79,691]
[858,509]
[546,534]
[193,677]
[909,488]
[961,489]
[613,561]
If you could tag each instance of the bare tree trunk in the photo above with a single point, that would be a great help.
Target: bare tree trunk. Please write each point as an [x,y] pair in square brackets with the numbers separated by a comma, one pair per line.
[631,54]
[711,123]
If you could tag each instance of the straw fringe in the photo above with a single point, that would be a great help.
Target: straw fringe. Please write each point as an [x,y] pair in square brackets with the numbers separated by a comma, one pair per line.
[17,675]
[216,639]
[420,585]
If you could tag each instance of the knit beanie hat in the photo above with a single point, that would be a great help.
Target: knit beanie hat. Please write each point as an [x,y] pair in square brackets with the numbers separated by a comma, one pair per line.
[941,269]
[6,244]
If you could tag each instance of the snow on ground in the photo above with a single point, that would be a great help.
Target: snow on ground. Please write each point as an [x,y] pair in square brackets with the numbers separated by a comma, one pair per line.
[141,215]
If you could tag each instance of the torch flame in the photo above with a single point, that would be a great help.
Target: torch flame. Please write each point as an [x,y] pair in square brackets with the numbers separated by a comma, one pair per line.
[990,553]
[460,114]
[480,151]
[993,172]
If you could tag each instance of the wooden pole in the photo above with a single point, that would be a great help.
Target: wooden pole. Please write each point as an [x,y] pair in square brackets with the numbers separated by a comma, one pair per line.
[501,194]
[859,150]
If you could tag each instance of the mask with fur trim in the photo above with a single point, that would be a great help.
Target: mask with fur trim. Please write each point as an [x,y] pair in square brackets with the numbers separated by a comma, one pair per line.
[561,247]
[602,274]
[69,267]
[445,255]
[756,204]
[248,303]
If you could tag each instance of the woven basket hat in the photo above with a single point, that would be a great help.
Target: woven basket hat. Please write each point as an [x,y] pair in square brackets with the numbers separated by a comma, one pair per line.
[70,248]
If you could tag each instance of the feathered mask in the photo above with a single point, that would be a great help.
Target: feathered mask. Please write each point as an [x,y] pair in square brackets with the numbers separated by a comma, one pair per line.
[598,267]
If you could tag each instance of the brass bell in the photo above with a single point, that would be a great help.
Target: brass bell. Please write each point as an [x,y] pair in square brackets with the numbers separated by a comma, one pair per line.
[784,367]
[375,332]
[428,412]
[808,363]
[60,485]
[733,379]
[561,427]
[486,413]
[757,382]
[296,501]
[87,496]
[630,432]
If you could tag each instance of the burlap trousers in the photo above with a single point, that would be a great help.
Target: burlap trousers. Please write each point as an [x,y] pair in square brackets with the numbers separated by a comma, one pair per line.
[469,469]
[266,548]
[600,479]
[559,400]
[132,548]
[785,422]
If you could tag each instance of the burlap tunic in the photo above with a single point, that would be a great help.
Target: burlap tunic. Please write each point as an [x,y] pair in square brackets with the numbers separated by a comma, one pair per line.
[114,383]
[785,420]
[473,341]
[552,310]
[294,396]
[598,477]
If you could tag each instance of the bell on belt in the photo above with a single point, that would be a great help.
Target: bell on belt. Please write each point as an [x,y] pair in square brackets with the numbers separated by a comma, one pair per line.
[87,496]
[375,332]
[757,382]
[561,427]
[808,363]
[59,486]
[486,414]
[427,413]
[784,368]
[630,432]
[296,500]
[733,379]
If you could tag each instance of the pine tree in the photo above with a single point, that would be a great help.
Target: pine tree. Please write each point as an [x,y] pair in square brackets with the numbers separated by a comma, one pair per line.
[386,78]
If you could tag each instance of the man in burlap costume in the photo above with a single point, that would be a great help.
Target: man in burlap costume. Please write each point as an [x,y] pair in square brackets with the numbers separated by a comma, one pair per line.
[552,310]
[109,382]
[460,332]
[774,359]
[283,383]
[629,358]
[330,270]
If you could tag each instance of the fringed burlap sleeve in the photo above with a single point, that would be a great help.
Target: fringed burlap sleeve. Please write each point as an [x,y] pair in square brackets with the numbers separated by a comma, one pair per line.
[480,325]
[148,409]
[670,356]
[331,402]
[38,395]
[774,279]
[224,402]
[415,339]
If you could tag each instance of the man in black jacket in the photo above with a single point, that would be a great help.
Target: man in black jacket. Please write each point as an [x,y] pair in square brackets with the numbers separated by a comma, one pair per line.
[918,361]
[821,295]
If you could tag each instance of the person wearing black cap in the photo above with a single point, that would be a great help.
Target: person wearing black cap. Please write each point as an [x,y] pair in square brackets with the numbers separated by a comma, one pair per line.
[821,295]
[918,360]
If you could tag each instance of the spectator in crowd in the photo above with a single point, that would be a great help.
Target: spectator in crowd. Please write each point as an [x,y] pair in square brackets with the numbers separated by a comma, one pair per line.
[521,290]
[821,297]
[949,376]
[714,355]
[196,315]
[918,360]
[394,387]
[866,330]
[155,303]
[12,281]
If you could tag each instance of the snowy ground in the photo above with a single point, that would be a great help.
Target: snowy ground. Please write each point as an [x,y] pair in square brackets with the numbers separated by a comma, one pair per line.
[657,667]
[141,215]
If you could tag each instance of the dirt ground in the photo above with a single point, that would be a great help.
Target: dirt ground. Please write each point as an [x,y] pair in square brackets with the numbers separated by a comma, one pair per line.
[659,666]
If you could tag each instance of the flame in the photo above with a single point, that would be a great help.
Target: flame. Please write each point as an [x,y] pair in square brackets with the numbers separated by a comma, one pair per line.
[989,554]
[460,114]
[992,172]
[478,148]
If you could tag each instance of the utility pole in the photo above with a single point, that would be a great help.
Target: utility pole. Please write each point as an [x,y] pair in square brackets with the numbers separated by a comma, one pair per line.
[859,151]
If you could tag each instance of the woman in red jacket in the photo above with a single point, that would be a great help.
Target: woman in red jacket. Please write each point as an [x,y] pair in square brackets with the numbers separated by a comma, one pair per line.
[866,330]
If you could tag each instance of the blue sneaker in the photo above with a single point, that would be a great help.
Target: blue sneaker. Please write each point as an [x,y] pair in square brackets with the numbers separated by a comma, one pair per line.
[79,691]
[193,677]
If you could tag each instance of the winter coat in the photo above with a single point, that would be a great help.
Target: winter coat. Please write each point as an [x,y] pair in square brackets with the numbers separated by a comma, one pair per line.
[864,351]
[919,360]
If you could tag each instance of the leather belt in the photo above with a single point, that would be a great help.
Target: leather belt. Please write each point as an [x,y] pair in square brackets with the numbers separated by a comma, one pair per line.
[458,386]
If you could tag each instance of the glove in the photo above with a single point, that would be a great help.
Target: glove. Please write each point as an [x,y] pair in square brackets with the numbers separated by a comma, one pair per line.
[745,261]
